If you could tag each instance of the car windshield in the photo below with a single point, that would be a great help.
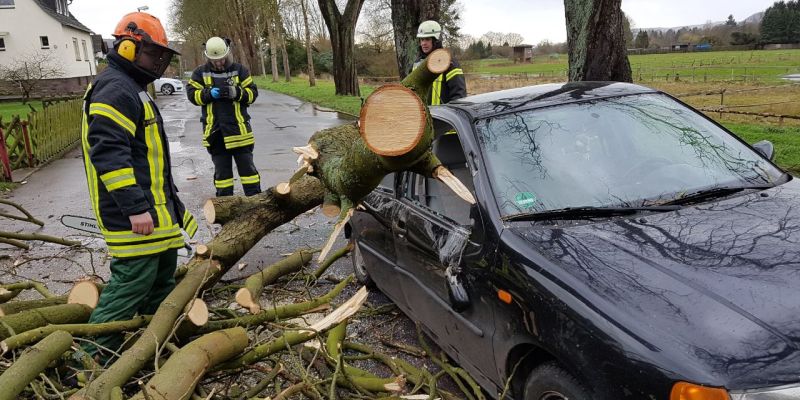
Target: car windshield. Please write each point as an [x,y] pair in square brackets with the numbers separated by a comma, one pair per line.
[625,151]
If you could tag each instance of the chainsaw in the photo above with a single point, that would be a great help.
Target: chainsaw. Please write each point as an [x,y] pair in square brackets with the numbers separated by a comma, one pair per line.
[87,224]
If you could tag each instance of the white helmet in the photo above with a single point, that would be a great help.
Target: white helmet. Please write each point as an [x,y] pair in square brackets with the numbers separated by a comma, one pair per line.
[216,48]
[429,29]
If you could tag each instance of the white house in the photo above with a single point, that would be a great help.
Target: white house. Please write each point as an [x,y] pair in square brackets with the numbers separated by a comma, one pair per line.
[29,26]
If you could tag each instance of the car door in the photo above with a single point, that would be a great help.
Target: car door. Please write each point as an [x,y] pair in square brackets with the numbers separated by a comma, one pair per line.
[434,232]
[371,230]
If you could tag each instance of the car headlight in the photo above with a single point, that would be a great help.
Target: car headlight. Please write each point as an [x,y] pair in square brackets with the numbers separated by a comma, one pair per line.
[775,393]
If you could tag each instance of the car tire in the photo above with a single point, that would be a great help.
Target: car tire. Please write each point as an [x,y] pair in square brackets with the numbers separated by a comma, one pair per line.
[360,268]
[167,89]
[551,382]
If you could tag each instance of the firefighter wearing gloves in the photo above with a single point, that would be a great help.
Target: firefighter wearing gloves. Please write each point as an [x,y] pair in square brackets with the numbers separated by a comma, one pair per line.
[224,90]
[450,85]
[131,188]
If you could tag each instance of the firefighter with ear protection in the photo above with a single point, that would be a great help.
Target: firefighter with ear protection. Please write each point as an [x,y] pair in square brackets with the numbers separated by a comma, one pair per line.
[132,192]
[224,89]
[450,85]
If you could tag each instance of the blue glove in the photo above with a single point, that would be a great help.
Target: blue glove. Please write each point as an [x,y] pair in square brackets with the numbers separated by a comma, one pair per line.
[215,93]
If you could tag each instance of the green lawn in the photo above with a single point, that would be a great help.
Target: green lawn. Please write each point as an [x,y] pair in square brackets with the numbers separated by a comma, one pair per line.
[785,139]
[8,109]
[765,65]
[323,94]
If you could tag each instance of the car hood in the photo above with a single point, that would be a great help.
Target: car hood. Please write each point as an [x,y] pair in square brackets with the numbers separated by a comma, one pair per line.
[713,291]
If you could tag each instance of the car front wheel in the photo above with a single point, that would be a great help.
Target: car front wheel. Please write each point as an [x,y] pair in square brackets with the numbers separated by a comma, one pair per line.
[551,382]
[167,89]
[360,267]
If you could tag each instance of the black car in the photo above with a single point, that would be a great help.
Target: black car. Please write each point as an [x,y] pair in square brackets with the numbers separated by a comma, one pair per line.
[623,246]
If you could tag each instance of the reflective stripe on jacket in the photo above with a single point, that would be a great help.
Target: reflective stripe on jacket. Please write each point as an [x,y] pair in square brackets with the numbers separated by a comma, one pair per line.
[127,162]
[448,86]
[228,117]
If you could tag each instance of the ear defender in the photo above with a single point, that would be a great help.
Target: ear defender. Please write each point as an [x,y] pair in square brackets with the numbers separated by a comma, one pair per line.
[127,49]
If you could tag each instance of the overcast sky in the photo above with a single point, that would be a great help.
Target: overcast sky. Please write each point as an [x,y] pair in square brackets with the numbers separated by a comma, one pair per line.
[535,20]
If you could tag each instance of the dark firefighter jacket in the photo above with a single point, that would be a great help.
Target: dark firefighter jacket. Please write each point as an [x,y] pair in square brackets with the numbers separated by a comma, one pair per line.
[223,116]
[127,161]
[448,86]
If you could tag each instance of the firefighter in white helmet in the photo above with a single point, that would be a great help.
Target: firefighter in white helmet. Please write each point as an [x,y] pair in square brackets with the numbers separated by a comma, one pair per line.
[450,85]
[224,90]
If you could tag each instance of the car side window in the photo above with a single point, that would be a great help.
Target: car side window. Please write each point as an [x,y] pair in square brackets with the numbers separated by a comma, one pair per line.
[435,195]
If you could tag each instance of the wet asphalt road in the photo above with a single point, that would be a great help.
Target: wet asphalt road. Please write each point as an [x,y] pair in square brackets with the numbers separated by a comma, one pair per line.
[279,122]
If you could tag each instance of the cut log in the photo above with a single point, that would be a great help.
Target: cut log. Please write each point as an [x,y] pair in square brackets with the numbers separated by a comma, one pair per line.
[31,319]
[84,292]
[248,296]
[32,363]
[197,312]
[6,295]
[392,120]
[177,378]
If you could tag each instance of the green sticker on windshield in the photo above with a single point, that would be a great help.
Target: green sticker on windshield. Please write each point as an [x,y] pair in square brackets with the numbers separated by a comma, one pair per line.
[525,199]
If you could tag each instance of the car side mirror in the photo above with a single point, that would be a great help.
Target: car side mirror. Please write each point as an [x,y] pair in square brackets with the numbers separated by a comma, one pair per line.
[765,148]
[459,299]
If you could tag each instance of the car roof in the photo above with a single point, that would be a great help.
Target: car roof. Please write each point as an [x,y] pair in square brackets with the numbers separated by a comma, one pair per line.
[530,97]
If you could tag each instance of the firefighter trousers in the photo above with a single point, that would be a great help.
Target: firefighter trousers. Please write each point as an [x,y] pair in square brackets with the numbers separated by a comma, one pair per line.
[137,285]
[223,172]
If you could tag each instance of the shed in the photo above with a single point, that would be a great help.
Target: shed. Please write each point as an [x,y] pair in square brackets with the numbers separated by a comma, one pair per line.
[523,53]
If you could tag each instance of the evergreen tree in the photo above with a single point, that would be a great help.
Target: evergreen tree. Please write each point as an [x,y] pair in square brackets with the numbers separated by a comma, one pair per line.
[730,21]
[781,23]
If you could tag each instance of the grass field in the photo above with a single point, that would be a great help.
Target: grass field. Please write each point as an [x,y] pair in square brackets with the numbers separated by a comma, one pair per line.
[8,109]
[323,94]
[760,65]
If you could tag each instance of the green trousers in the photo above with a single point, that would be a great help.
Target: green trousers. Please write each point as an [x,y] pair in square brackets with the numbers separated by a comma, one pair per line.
[137,285]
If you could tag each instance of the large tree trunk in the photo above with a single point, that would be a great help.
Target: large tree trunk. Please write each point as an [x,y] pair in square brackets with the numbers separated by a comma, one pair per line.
[406,17]
[596,41]
[312,80]
[342,28]
[273,42]
[32,363]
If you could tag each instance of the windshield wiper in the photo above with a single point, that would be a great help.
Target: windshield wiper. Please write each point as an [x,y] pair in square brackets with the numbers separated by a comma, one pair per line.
[711,193]
[588,212]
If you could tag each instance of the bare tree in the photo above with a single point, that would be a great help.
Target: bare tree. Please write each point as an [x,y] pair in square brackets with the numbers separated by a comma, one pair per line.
[311,78]
[376,29]
[342,28]
[29,70]
[514,39]
[596,42]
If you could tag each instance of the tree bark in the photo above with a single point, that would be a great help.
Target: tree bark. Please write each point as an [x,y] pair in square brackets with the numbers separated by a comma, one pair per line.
[177,378]
[33,335]
[248,296]
[32,363]
[31,319]
[406,17]
[342,29]
[596,42]
[312,80]
[18,306]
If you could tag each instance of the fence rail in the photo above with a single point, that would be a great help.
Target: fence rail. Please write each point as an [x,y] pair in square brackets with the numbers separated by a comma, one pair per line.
[39,138]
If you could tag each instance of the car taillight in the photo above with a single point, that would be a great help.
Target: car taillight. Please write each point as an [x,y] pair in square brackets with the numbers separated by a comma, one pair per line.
[690,391]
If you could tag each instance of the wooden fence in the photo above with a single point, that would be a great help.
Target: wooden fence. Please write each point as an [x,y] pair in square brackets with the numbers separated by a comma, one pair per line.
[39,138]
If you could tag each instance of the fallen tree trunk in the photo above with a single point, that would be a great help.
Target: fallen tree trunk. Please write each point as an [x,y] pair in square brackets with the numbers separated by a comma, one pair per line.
[31,319]
[177,378]
[32,363]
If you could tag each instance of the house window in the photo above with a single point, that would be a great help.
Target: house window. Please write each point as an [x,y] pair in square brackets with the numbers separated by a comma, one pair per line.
[85,53]
[45,42]
[6,3]
[77,50]
[2,44]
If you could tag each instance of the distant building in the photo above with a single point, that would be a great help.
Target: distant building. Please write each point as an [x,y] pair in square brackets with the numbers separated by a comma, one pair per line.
[523,53]
[30,26]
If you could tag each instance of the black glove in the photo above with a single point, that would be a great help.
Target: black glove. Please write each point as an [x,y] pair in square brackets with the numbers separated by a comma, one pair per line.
[232,92]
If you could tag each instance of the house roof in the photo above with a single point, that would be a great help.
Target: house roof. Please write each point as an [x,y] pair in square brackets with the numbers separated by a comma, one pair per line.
[49,6]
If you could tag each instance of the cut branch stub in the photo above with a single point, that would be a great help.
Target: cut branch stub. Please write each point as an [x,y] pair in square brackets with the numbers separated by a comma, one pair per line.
[393,120]
[247,296]
[84,292]
[197,312]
